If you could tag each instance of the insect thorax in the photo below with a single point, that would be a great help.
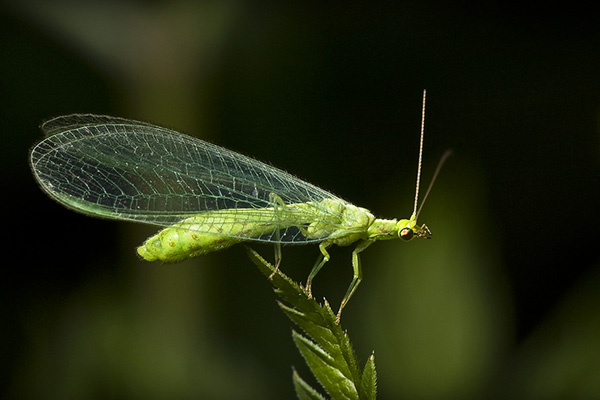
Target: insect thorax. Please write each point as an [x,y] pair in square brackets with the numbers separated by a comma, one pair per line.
[344,223]
[384,229]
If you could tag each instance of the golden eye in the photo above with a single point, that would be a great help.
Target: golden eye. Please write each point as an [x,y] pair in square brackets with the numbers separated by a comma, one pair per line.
[406,234]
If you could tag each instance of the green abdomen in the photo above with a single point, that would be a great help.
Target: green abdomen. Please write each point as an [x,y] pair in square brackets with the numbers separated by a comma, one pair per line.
[207,232]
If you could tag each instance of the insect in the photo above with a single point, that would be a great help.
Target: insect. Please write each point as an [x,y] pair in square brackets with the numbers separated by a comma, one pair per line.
[206,197]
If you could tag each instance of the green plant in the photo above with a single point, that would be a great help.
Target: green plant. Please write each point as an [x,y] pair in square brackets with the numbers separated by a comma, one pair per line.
[326,347]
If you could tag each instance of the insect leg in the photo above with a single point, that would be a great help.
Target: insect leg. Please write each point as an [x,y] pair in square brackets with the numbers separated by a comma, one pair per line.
[277,204]
[277,258]
[318,265]
[357,275]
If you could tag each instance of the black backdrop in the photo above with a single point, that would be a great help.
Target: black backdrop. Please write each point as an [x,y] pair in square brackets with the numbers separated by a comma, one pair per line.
[331,93]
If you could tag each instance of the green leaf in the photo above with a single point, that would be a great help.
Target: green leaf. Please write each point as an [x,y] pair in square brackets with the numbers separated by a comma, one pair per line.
[329,354]
[368,384]
[332,375]
[303,390]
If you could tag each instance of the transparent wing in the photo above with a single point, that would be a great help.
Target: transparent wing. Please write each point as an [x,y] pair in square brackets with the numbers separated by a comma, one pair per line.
[122,169]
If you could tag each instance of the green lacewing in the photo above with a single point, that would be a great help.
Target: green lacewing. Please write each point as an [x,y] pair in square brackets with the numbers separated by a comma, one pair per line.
[206,197]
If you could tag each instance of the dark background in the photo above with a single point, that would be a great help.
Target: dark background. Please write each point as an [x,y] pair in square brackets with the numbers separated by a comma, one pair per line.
[502,303]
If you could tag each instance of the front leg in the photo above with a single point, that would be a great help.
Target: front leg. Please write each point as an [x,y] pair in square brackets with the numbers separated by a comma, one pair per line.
[357,278]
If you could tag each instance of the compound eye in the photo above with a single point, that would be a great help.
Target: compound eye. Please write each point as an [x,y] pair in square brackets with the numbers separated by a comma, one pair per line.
[406,234]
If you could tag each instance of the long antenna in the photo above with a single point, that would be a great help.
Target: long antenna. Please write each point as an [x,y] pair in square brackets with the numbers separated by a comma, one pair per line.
[420,154]
[445,156]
